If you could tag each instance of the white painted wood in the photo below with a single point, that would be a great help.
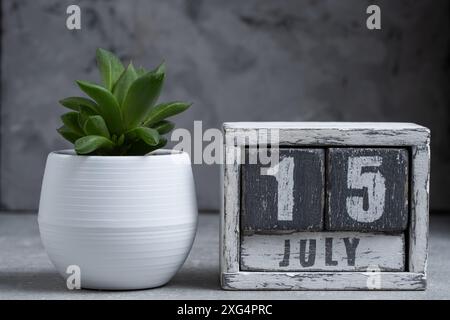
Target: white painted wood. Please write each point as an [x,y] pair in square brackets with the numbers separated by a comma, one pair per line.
[231,207]
[326,134]
[418,229]
[359,252]
[323,281]
[323,125]
[330,133]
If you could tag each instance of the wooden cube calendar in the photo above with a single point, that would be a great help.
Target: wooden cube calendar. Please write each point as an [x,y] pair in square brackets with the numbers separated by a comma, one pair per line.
[325,206]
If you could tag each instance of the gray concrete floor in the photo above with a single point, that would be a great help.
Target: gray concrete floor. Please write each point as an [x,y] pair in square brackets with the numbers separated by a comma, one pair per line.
[26,272]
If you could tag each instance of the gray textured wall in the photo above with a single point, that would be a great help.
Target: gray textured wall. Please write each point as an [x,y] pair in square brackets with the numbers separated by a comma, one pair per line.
[236,60]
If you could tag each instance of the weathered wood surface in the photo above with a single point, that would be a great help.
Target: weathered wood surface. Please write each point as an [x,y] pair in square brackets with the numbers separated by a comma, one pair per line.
[250,280]
[323,251]
[420,195]
[327,134]
[367,189]
[330,133]
[286,195]
[230,215]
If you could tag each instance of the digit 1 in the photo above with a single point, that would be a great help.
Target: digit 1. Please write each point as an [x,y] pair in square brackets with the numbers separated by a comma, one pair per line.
[284,174]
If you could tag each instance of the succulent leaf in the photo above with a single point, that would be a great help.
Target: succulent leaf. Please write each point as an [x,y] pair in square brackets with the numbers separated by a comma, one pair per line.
[70,120]
[119,117]
[148,135]
[162,143]
[164,126]
[124,83]
[121,140]
[141,148]
[108,107]
[68,134]
[141,71]
[141,96]
[110,68]
[95,125]
[83,115]
[161,69]
[92,143]
[75,103]
[82,118]
[88,111]
[165,110]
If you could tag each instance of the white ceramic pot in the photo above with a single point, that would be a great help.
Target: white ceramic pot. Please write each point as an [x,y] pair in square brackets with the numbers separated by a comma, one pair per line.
[127,222]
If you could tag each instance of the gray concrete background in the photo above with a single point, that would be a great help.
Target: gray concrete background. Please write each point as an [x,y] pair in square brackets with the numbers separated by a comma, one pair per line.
[236,60]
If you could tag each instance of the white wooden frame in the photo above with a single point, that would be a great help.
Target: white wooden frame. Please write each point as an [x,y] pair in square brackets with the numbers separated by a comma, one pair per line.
[326,134]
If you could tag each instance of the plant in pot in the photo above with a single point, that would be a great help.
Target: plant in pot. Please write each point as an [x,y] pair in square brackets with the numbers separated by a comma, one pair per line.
[118,206]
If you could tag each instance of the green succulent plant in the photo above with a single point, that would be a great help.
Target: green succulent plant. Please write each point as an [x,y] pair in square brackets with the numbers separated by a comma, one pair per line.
[120,116]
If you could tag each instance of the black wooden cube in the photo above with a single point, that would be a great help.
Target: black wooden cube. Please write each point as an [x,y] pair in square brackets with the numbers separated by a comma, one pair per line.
[367,189]
[287,195]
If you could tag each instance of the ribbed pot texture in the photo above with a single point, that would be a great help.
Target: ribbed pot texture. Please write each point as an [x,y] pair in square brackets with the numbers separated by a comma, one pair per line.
[127,222]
